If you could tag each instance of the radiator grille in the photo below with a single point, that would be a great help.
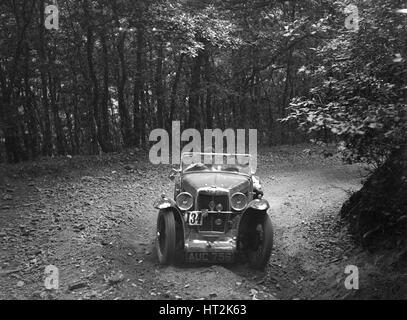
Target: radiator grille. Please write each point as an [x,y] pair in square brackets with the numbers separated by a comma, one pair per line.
[213,221]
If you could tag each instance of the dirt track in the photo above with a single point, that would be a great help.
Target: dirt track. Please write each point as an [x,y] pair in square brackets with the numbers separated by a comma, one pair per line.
[93,219]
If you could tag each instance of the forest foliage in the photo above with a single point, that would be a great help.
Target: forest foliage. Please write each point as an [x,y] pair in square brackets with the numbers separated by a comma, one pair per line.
[115,70]
[360,85]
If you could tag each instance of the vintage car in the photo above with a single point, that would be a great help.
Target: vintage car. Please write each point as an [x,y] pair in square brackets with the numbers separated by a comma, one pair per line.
[217,215]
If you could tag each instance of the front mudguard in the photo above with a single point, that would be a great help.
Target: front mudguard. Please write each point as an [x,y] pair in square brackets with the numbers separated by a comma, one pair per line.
[258,205]
[254,210]
[167,204]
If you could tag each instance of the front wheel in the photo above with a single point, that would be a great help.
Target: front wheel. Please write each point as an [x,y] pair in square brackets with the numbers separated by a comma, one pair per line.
[166,237]
[261,242]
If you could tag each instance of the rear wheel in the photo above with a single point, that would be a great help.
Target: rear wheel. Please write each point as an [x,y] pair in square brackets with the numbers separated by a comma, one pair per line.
[166,237]
[261,242]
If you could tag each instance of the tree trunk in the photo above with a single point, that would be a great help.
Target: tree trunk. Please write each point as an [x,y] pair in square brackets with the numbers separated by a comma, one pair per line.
[208,80]
[125,123]
[60,139]
[69,125]
[29,110]
[104,128]
[138,102]
[47,144]
[76,116]
[194,112]
[159,89]
[287,87]
[174,88]
[94,90]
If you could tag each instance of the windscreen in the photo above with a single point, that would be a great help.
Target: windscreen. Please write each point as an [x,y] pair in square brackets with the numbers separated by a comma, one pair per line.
[194,161]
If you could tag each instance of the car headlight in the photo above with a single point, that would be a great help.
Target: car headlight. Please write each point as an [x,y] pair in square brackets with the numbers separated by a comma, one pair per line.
[238,201]
[184,201]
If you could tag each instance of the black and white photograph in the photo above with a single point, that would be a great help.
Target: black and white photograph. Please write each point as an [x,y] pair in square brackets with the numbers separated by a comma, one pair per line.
[216,151]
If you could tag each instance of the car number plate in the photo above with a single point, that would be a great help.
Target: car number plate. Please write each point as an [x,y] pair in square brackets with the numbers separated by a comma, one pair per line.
[209,257]
[195,218]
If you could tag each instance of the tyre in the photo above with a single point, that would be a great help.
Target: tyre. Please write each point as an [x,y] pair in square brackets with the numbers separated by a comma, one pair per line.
[261,242]
[166,237]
